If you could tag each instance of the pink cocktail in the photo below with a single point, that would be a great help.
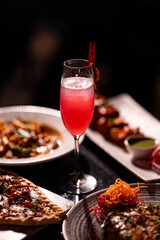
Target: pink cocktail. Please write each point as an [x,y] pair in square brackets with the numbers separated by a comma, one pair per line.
[77,104]
[77,107]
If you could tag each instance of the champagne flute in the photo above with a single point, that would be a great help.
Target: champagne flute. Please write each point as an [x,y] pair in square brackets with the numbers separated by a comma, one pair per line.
[77,108]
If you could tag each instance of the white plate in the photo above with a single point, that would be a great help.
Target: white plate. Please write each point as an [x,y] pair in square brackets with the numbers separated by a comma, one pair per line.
[50,117]
[136,116]
[80,223]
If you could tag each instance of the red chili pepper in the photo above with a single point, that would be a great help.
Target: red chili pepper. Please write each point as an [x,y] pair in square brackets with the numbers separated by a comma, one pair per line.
[156,157]
[91,55]
[91,64]
[15,195]
[28,204]
[25,191]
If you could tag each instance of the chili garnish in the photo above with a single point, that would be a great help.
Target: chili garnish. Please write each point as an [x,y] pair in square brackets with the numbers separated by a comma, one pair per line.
[91,63]
[19,192]
[156,157]
[155,162]
[120,195]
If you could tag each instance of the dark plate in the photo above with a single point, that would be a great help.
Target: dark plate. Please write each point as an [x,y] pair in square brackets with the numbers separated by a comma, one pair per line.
[80,223]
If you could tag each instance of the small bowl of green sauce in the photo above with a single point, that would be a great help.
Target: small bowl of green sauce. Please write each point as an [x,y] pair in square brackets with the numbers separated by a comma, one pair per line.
[141,146]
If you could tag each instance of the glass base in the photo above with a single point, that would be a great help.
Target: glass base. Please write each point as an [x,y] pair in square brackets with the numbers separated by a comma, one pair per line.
[78,183]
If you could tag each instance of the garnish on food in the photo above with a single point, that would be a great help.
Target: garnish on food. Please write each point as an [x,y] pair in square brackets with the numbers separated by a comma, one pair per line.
[156,161]
[91,62]
[120,195]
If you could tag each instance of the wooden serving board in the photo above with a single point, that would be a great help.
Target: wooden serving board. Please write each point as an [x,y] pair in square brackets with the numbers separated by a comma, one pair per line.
[19,232]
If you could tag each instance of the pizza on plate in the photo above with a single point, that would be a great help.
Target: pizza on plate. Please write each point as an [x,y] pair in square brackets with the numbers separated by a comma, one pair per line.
[23,203]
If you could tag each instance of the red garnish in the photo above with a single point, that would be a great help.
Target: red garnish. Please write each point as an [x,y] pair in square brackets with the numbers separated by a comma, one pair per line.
[156,157]
[155,162]
[91,56]
[15,195]
[25,191]
[28,204]
[20,192]
[119,196]
[91,63]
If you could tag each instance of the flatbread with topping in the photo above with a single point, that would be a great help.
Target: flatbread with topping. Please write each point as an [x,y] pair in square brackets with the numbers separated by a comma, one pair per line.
[23,203]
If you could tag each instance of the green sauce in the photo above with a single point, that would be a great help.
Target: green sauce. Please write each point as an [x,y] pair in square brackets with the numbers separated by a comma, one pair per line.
[142,142]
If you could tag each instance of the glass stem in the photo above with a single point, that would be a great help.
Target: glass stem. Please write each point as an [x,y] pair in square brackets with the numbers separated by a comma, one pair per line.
[76,153]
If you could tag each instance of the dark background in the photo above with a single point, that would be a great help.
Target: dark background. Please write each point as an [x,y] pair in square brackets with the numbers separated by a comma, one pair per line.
[37,36]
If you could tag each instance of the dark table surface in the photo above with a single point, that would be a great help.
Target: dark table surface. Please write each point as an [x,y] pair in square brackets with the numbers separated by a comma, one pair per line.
[93,160]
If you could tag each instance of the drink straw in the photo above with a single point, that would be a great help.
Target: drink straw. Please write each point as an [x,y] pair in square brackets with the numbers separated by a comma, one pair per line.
[91,64]
[91,55]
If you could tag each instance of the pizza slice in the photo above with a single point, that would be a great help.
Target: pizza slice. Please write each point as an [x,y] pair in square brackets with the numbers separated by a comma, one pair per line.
[23,203]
